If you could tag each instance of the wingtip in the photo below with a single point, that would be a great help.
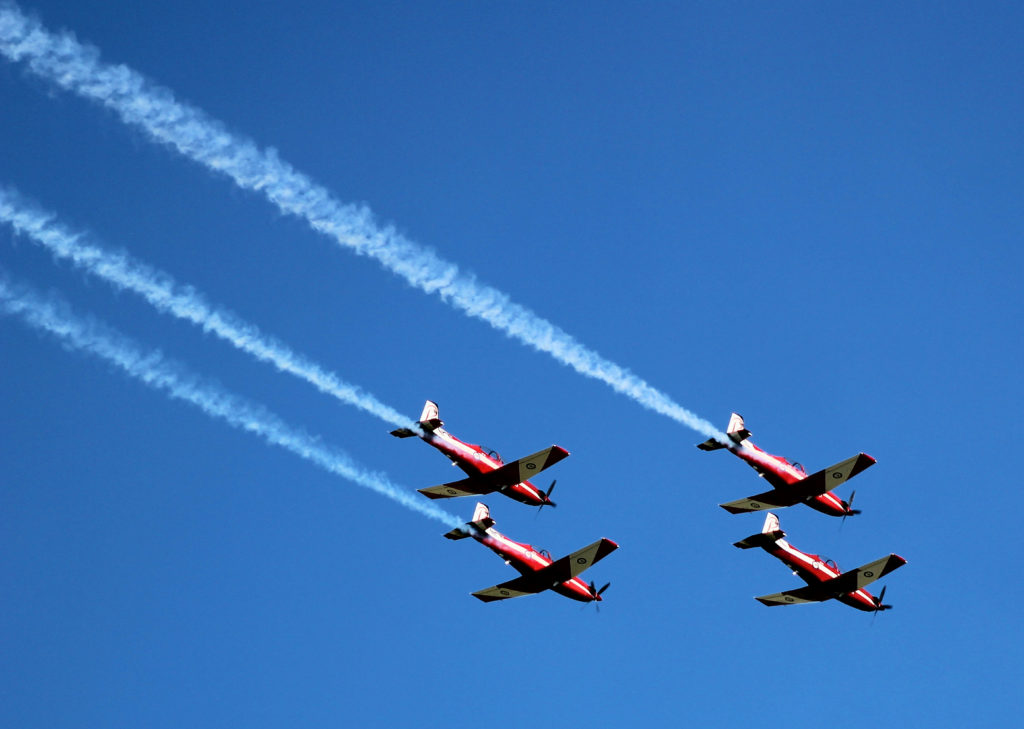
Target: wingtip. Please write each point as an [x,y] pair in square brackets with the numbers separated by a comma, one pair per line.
[864,462]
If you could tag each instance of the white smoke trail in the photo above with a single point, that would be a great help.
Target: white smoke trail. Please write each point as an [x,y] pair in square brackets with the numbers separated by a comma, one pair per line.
[155,371]
[64,61]
[184,302]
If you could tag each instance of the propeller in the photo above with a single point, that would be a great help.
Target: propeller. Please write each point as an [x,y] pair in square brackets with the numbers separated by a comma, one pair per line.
[547,496]
[596,594]
[879,606]
[850,511]
[880,598]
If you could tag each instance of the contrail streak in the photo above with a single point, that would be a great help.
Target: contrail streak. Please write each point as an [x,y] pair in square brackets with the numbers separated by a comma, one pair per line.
[61,59]
[184,302]
[154,370]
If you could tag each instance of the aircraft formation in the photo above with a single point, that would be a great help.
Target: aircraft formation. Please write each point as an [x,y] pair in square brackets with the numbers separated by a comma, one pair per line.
[487,473]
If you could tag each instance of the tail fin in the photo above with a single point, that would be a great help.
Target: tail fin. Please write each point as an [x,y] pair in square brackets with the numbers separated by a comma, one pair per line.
[736,431]
[481,522]
[429,412]
[770,533]
[429,421]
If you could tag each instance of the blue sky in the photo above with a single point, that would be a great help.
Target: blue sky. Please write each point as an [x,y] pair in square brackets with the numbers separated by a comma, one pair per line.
[807,214]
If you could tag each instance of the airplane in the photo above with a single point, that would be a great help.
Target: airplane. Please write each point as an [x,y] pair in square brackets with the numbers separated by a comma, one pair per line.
[486,471]
[790,482]
[824,579]
[539,571]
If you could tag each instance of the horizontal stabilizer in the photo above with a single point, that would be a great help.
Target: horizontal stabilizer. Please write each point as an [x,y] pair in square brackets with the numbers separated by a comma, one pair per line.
[429,422]
[427,426]
[481,522]
[764,539]
[771,532]
[711,444]
[736,431]
[431,425]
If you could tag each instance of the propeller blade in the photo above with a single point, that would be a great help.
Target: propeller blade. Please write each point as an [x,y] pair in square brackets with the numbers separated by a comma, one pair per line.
[850,511]
[881,596]
[606,586]
[547,496]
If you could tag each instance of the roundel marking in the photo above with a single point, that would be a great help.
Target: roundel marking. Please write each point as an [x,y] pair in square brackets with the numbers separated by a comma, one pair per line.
[581,560]
[869,573]
[755,505]
[530,466]
[837,474]
[789,599]
[452,492]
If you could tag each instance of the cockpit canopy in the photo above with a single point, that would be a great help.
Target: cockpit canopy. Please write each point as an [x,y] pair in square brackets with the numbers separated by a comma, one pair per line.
[489,452]
[795,464]
[825,561]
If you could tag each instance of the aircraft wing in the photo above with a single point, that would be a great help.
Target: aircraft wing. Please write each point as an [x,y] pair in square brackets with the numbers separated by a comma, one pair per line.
[828,478]
[849,581]
[564,569]
[774,499]
[525,585]
[811,593]
[507,475]
[561,570]
[855,579]
[814,485]
[451,490]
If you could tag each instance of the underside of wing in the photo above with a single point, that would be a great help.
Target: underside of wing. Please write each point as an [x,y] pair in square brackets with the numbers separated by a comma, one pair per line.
[571,565]
[524,585]
[775,499]
[466,487]
[507,475]
[526,468]
[827,479]
[855,579]
[811,593]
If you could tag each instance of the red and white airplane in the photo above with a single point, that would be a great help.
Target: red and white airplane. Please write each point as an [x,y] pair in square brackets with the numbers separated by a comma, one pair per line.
[486,471]
[823,577]
[790,482]
[538,571]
